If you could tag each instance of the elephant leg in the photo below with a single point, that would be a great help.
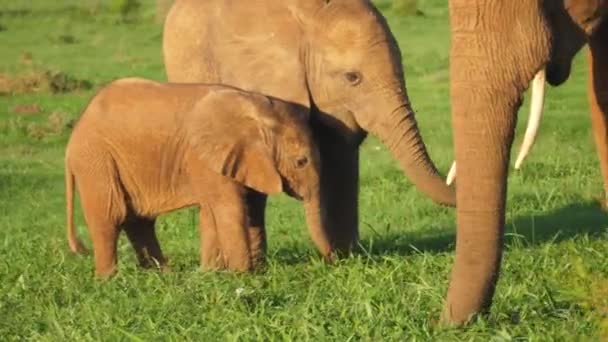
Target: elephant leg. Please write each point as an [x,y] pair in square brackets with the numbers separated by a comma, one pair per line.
[103,210]
[232,236]
[142,235]
[225,220]
[211,255]
[598,98]
[256,208]
[104,235]
[339,188]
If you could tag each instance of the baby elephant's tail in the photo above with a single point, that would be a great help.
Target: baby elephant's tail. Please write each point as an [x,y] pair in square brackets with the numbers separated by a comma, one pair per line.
[75,245]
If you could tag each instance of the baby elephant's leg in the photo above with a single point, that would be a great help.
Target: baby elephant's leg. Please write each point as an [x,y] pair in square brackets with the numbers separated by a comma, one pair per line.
[256,205]
[142,235]
[211,256]
[227,218]
[104,235]
[104,208]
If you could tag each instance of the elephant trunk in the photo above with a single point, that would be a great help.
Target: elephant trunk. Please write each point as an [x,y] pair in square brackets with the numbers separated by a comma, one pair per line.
[318,225]
[483,136]
[399,132]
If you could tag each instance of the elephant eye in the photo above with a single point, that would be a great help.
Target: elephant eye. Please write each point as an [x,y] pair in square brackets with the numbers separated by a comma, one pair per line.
[301,162]
[353,77]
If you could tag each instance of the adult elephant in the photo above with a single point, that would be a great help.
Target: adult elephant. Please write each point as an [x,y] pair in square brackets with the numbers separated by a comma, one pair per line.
[337,58]
[496,49]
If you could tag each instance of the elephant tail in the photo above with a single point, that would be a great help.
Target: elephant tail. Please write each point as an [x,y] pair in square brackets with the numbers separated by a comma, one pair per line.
[75,245]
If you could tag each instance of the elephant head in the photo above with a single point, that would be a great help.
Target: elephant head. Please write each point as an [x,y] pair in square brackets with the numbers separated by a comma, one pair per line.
[492,62]
[265,144]
[355,79]
[299,163]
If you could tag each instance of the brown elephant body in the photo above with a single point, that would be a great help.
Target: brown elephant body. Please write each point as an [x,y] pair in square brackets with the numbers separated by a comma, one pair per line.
[496,49]
[338,58]
[143,148]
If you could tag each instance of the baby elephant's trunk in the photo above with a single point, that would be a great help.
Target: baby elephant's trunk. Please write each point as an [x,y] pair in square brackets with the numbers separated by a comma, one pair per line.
[318,225]
[75,245]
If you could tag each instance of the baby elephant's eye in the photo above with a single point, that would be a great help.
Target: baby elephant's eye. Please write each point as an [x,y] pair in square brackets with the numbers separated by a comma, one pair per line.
[353,77]
[301,162]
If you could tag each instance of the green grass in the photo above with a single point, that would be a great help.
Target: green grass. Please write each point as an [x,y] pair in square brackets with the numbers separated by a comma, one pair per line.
[553,284]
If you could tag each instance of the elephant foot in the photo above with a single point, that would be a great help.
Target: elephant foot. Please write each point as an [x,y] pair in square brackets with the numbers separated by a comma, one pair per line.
[219,262]
[212,261]
[259,264]
[151,263]
[106,274]
[602,201]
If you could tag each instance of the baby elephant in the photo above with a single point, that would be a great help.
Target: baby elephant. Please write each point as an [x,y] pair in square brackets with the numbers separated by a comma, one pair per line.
[143,148]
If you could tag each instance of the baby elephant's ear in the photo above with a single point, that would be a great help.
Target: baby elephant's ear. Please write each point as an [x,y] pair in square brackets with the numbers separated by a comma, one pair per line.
[232,145]
[253,165]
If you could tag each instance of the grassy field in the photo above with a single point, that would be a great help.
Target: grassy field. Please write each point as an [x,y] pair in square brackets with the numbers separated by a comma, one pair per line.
[55,54]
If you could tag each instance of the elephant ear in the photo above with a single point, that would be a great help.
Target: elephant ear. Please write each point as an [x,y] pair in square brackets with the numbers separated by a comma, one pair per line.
[229,137]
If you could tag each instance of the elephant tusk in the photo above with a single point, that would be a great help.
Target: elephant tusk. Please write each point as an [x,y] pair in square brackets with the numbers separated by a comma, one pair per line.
[536,112]
[451,174]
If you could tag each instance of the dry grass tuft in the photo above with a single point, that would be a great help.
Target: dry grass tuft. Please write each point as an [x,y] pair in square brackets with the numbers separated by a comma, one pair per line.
[58,122]
[40,81]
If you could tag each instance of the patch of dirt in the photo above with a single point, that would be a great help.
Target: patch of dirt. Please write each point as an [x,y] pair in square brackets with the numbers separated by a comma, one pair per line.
[27,109]
[41,80]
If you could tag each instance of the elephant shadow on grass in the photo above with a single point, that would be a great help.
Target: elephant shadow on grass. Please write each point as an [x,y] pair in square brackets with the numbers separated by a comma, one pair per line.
[567,222]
